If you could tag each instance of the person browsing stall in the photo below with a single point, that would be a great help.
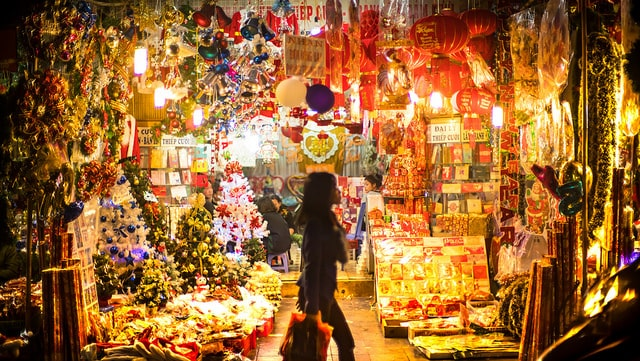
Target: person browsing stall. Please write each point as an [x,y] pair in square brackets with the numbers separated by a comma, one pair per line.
[372,183]
[323,246]
[279,239]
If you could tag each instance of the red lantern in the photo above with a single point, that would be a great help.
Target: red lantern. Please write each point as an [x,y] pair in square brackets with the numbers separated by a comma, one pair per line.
[473,100]
[447,76]
[440,34]
[481,22]
[482,45]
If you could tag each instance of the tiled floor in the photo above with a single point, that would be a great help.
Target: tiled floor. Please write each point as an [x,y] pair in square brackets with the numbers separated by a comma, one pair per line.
[371,345]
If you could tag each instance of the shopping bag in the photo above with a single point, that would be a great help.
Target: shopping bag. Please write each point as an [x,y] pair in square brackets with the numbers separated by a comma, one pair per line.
[305,340]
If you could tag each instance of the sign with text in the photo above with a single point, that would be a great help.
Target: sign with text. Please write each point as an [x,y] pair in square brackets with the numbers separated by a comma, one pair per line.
[146,138]
[171,141]
[444,131]
[304,56]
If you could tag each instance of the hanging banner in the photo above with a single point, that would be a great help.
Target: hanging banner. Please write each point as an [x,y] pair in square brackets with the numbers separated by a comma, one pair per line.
[304,56]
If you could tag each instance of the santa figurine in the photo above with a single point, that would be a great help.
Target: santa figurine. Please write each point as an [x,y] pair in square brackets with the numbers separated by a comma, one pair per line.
[201,291]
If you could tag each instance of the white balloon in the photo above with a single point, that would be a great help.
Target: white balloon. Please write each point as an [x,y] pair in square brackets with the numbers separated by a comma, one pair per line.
[291,92]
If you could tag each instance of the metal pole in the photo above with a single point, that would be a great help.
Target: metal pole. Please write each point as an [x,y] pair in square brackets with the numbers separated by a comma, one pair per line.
[585,143]
[27,301]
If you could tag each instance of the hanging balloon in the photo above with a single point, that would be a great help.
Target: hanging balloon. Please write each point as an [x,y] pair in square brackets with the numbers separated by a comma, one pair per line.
[570,195]
[291,92]
[320,98]
[572,171]
[547,176]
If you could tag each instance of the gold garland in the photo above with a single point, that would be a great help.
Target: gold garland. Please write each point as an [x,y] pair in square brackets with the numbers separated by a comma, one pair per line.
[604,79]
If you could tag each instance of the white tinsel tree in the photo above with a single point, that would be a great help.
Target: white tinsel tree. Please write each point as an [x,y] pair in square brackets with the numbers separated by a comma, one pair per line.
[121,229]
[236,217]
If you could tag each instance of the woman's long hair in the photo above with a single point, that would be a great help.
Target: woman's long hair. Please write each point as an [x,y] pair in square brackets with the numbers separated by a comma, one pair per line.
[318,193]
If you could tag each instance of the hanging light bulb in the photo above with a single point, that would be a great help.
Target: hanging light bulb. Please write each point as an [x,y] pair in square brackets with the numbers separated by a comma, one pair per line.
[497,115]
[159,94]
[140,56]
[436,101]
[198,115]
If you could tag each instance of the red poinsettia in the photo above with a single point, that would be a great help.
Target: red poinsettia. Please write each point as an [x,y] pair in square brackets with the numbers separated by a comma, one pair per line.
[223,210]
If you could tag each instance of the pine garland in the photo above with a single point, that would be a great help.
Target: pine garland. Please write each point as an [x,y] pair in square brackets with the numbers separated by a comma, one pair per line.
[513,300]
[604,78]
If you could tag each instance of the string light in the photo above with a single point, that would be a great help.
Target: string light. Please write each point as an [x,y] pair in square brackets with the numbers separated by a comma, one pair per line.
[497,115]
[159,94]
[436,101]
[198,115]
[140,58]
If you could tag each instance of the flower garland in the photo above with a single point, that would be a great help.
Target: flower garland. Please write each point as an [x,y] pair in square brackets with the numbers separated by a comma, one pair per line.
[604,74]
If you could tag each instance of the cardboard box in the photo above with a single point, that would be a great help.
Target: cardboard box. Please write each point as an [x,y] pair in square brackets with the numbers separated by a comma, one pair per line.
[395,328]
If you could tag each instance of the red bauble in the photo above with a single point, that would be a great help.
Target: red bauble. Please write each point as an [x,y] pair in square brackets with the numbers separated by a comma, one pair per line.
[440,34]
[481,22]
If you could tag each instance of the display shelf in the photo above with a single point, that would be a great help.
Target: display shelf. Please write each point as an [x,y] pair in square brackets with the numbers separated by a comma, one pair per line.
[462,177]
[177,167]
[423,277]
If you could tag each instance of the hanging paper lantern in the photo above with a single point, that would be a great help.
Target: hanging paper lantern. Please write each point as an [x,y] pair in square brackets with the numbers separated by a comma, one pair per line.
[320,98]
[481,22]
[447,76]
[291,92]
[473,100]
[440,34]
[483,45]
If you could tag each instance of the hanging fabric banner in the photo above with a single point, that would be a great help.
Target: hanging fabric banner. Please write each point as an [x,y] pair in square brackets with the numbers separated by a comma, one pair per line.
[304,56]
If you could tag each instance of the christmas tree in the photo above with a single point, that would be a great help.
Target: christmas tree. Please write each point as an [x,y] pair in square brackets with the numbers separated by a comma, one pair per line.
[122,232]
[154,212]
[236,217]
[154,289]
[197,254]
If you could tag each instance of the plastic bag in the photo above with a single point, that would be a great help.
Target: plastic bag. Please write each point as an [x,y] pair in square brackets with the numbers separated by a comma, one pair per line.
[305,340]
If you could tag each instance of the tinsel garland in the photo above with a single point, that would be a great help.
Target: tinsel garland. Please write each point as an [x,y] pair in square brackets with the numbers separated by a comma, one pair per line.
[604,60]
